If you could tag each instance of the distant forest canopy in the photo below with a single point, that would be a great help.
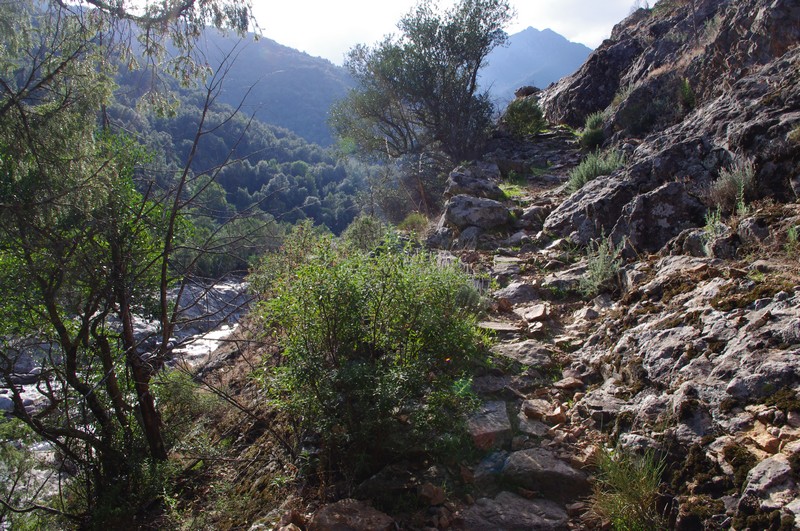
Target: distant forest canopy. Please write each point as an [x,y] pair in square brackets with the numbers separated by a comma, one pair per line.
[265,166]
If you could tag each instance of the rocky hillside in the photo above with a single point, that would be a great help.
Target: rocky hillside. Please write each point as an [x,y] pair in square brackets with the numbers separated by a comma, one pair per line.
[690,350]
[648,323]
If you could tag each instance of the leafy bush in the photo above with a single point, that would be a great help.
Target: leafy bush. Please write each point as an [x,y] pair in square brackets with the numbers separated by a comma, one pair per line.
[365,233]
[524,117]
[626,491]
[376,352]
[733,186]
[594,165]
[415,222]
[297,249]
[603,266]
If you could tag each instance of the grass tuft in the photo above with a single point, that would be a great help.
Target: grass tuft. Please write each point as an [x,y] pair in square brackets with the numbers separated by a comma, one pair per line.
[594,165]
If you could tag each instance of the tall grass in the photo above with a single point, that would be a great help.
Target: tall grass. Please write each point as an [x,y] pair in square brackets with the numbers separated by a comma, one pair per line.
[626,491]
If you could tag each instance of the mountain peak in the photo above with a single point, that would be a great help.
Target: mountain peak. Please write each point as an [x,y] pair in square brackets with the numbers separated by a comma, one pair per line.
[532,57]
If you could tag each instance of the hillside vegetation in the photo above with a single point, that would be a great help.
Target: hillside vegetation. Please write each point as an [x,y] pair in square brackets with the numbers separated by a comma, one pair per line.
[598,330]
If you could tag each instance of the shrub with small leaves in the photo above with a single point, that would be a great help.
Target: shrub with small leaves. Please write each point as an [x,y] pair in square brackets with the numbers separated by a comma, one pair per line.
[365,233]
[686,94]
[594,165]
[376,352]
[603,265]
[415,223]
[733,187]
[524,117]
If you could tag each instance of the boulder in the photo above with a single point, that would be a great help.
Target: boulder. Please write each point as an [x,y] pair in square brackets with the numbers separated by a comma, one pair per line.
[650,220]
[510,512]
[540,470]
[352,515]
[474,181]
[463,211]
[518,293]
[490,426]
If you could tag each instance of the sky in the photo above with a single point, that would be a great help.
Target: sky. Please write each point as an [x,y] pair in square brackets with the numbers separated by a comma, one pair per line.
[328,28]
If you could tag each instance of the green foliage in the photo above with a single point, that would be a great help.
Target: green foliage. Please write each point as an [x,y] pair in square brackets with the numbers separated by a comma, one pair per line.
[365,233]
[732,188]
[603,265]
[596,120]
[792,240]
[524,117]
[594,165]
[593,135]
[415,223]
[376,352]
[418,91]
[298,248]
[622,95]
[686,95]
[626,491]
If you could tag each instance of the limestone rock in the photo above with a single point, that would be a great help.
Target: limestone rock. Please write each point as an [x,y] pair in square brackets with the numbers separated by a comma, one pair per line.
[475,181]
[771,482]
[463,211]
[530,353]
[490,426]
[350,514]
[513,513]
[540,470]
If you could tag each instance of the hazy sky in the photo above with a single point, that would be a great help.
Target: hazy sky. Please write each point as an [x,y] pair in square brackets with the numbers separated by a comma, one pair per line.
[328,28]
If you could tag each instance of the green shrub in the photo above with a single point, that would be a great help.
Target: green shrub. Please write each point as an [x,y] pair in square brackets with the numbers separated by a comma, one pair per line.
[297,249]
[792,240]
[732,188]
[596,120]
[376,353]
[524,117]
[626,490]
[686,94]
[592,138]
[594,165]
[603,265]
[714,227]
[365,233]
[593,135]
[415,223]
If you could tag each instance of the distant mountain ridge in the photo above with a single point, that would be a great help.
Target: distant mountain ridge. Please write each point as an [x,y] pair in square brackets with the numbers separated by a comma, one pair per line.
[531,57]
[288,88]
[294,90]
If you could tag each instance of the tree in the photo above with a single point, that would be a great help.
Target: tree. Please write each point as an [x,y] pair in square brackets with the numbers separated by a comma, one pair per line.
[85,243]
[418,92]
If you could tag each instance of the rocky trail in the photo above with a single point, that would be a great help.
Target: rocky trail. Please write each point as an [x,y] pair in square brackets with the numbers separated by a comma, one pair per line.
[685,356]
[688,353]
[694,358]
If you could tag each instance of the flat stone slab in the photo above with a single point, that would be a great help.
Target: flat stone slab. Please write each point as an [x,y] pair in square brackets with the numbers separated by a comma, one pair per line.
[350,514]
[490,426]
[540,470]
[513,513]
[537,312]
[500,326]
[530,353]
